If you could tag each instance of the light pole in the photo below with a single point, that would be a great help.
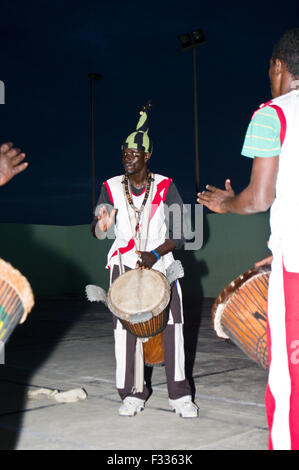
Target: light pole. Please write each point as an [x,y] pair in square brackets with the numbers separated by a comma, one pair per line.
[192,41]
[93,77]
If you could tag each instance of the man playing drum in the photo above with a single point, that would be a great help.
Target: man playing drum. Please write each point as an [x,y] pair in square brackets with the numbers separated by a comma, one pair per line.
[147,194]
[272,140]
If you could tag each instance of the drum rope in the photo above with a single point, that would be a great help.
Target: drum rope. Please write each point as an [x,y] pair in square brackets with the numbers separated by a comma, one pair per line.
[247,294]
[251,348]
[9,299]
[243,320]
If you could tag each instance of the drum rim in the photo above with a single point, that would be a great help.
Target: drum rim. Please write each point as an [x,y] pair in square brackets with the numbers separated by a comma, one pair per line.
[18,283]
[164,320]
[156,311]
[225,294]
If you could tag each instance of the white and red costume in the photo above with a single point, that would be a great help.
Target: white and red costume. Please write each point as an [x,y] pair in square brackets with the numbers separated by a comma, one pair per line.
[156,234]
[282,395]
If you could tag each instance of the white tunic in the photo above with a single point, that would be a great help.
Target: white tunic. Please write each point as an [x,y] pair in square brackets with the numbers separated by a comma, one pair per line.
[157,228]
[284,216]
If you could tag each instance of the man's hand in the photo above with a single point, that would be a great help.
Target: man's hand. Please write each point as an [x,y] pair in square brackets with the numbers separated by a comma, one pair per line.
[10,162]
[104,219]
[263,262]
[215,199]
[147,259]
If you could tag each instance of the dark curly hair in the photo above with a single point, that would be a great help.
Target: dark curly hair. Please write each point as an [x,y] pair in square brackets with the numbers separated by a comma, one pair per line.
[287,50]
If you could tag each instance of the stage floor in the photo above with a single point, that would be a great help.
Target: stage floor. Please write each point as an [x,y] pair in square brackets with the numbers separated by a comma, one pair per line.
[68,343]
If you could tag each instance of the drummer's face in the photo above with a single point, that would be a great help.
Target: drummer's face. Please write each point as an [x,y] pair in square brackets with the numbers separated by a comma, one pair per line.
[134,160]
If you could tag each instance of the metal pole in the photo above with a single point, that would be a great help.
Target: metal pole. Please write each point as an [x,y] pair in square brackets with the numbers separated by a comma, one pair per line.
[195,121]
[92,142]
[93,77]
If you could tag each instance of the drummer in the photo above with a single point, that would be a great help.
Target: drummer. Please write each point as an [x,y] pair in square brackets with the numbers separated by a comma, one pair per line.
[119,195]
[272,142]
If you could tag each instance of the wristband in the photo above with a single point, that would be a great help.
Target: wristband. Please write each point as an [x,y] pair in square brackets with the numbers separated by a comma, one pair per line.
[156,254]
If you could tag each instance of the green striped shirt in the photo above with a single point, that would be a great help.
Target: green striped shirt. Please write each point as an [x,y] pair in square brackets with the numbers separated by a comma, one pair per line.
[263,134]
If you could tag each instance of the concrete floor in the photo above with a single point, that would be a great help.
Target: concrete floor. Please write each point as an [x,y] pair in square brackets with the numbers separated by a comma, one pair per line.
[67,343]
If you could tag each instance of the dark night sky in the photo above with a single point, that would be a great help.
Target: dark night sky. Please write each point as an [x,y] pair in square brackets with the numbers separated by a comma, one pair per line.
[48,48]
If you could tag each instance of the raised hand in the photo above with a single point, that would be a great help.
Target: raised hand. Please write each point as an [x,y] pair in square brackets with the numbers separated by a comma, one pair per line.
[264,262]
[215,198]
[10,162]
[104,219]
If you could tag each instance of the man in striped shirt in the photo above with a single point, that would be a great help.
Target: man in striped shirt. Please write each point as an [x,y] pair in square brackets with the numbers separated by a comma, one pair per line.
[272,141]
[263,134]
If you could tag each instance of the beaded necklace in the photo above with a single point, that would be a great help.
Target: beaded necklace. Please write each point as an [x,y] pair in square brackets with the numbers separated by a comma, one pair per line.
[137,212]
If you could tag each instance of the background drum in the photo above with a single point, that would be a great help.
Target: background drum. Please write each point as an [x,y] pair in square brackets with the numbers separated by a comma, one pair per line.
[16,299]
[239,313]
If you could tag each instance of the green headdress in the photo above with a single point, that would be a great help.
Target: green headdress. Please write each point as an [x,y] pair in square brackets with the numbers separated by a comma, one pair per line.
[140,139]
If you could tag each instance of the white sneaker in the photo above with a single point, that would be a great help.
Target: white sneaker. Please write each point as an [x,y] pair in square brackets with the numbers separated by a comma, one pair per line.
[184,407]
[131,406]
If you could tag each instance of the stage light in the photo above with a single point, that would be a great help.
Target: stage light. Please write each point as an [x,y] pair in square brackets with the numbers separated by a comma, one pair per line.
[193,39]
[185,40]
[95,76]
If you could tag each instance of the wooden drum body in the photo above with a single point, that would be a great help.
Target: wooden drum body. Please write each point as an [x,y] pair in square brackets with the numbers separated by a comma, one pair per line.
[139,298]
[240,313]
[153,351]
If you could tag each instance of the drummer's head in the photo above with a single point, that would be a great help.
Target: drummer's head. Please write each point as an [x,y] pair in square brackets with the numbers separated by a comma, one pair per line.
[138,147]
[134,160]
[284,63]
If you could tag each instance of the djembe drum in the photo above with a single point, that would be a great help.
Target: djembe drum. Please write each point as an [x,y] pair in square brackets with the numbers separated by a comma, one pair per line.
[139,298]
[239,313]
[16,299]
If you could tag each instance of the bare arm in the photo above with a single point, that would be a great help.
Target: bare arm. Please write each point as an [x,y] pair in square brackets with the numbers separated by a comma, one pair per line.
[264,262]
[103,216]
[256,197]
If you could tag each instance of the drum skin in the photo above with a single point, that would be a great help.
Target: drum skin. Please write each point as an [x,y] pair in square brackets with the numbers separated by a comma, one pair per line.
[138,291]
[239,313]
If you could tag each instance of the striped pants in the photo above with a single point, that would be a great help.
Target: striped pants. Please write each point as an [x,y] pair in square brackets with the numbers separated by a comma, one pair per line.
[174,355]
[282,394]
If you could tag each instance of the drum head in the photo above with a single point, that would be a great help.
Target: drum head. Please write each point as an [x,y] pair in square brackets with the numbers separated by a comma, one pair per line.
[138,291]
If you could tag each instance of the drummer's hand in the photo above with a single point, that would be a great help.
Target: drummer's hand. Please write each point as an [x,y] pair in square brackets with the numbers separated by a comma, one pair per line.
[263,262]
[104,219]
[214,198]
[148,259]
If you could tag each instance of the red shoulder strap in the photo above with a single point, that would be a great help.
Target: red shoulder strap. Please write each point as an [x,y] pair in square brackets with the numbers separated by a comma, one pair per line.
[160,195]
